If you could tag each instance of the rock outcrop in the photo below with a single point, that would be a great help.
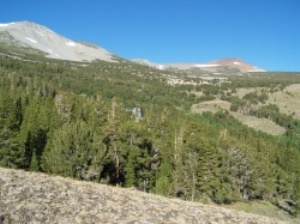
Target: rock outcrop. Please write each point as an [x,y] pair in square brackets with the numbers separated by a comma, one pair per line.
[37,198]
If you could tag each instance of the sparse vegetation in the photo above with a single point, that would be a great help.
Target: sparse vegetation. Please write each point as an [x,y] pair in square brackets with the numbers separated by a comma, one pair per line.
[61,200]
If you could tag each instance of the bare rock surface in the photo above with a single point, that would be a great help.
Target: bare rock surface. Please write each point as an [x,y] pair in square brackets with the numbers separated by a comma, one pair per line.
[37,198]
[28,34]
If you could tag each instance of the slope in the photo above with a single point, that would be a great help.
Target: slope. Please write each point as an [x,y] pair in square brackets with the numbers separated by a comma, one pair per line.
[59,200]
[76,121]
[33,36]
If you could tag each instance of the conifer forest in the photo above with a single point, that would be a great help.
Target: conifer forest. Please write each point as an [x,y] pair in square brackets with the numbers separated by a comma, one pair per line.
[122,124]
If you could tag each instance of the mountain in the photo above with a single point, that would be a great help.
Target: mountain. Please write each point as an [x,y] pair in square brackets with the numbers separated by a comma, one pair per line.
[233,63]
[27,38]
[226,65]
[38,39]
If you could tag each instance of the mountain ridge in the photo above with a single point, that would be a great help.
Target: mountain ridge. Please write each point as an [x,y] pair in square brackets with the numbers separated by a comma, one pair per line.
[53,45]
[233,63]
[39,39]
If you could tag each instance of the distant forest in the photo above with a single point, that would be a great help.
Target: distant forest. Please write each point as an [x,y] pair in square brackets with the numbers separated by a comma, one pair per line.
[76,121]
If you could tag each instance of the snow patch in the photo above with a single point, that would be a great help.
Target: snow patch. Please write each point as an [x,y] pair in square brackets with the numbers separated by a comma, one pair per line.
[5,24]
[71,44]
[206,65]
[160,67]
[237,63]
[40,33]
[31,40]
[256,70]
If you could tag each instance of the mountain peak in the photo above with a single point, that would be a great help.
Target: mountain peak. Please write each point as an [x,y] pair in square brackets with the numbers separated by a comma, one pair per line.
[237,63]
[21,23]
[53,45]
[28,23]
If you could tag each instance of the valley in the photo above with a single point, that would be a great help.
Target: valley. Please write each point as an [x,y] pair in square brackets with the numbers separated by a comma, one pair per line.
[191,134]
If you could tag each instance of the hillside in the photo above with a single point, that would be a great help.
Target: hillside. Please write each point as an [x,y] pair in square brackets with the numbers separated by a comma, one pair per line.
[37,198]
[130,125]
[123,124]
[23,38]
[261,124]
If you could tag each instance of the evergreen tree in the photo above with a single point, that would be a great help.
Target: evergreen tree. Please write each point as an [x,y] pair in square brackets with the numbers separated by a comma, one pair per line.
[34,166]
[10,151]
[131,167]
[71,151]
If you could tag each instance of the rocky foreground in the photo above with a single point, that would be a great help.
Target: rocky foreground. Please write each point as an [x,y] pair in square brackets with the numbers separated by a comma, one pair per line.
[37,198]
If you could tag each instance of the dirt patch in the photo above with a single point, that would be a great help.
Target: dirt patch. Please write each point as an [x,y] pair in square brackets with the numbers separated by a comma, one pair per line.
[287,100]
[261,124]
[212,106]
[241,92]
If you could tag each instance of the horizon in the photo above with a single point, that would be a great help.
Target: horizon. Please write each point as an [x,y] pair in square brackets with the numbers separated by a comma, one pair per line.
[263,34]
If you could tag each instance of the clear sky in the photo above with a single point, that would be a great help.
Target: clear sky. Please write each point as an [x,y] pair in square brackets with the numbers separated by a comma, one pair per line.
[265,33]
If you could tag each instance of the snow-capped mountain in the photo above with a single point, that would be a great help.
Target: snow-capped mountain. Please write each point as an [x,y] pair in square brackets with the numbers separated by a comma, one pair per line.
[216,66]
[38,37]
[226,64]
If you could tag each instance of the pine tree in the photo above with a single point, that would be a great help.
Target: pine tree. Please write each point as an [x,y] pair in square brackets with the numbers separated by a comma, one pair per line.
[10,150]
[70,151]
[34,166]
[131,167]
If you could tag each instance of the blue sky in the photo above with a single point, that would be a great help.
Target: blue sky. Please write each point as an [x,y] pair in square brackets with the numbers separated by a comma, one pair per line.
[265,33]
